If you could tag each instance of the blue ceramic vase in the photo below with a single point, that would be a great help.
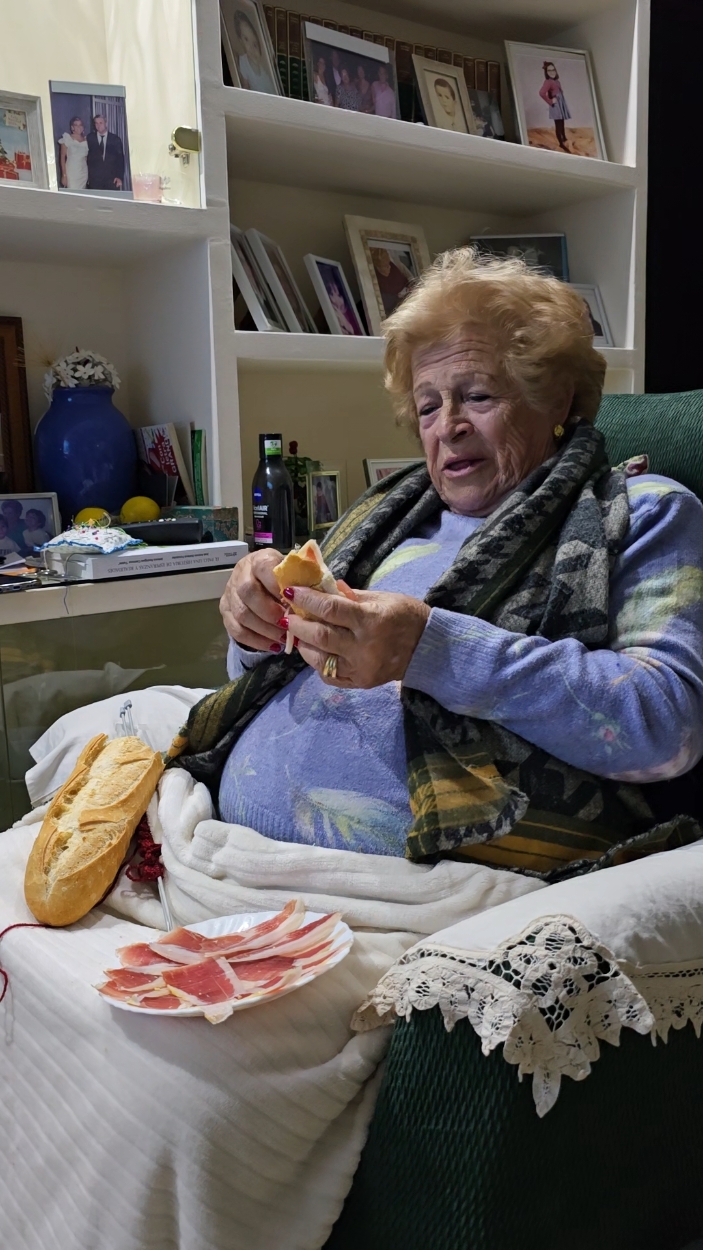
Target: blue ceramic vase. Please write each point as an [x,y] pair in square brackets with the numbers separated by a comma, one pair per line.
[84,450]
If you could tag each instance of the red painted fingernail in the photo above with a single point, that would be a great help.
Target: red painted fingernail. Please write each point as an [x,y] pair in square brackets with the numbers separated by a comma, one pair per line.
[289,592]
[283,623]
[276,646]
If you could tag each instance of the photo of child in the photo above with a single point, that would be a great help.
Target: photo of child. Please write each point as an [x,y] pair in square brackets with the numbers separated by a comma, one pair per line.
[26,522]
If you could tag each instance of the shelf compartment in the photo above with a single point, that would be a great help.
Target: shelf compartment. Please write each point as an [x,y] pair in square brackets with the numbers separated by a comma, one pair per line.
[41,225]
[293,142]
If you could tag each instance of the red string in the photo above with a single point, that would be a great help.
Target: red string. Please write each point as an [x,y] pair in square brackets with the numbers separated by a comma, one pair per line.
[23,924]
[150,868]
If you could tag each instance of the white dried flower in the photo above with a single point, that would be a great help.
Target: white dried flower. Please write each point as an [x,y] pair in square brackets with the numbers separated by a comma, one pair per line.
[80,368]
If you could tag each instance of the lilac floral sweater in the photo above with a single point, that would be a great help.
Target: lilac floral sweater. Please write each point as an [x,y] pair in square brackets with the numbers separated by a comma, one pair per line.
[327,766]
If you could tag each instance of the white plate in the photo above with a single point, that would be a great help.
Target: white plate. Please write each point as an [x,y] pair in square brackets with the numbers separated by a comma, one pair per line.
[341,939]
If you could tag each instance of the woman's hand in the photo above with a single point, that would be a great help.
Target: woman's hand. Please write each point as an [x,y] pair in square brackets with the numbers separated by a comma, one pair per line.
[250,607]
[373,633]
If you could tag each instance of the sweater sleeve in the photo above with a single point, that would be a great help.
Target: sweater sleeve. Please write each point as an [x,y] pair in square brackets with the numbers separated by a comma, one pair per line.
[633,710]
[239,660]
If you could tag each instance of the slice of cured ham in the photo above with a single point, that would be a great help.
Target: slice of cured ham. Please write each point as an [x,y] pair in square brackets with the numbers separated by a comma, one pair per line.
[127,979]
[141,957]
[184,946]
[304,940]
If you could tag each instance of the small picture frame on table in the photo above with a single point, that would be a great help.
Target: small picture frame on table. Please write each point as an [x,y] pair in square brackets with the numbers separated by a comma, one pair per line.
[388,257]
[22,150]
[555,99]
[596,312]
[346,72]
[16,473]
[376,470]
[252,287]
[280,281]
[444,96]
[546,252]
[324,499]
[249,52]
[27,520]
[336,299]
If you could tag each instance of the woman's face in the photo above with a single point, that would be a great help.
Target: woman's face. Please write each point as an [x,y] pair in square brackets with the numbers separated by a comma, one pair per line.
[382,75]
[77,130]
[249,38]
[361,74]
[345,77]
[551,71]
[479,435]
[321,67]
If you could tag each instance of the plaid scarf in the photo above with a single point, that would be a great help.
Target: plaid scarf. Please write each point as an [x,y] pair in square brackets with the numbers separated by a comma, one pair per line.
[540,564]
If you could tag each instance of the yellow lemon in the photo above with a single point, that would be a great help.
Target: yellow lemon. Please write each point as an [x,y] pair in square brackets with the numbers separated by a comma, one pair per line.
[96,516]
[139,508]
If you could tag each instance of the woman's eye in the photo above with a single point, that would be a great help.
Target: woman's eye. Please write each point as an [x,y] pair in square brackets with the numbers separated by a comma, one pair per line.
[426,410]
[476,397]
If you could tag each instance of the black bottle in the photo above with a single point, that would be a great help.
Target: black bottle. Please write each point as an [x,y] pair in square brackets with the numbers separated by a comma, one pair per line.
[272,497]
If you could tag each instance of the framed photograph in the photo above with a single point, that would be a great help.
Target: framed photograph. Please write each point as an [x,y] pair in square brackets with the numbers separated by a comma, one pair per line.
[22,150]
[596,312]
[324,499]
[15,437]
[345,72]
[541,251]
[444,97]
[250,55]
[376,470]
[252,287]
[555,99]
[485,106]
[336,300]
[388,257]
[280,281]
[90,138]
[27,521]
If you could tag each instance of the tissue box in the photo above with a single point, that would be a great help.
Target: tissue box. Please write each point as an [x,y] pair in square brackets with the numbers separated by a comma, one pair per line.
[220,524]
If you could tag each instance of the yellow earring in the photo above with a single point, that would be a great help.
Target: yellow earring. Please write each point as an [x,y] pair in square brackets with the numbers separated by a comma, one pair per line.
[558,431]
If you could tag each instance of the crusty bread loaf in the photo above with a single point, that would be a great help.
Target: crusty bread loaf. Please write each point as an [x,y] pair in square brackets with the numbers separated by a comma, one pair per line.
[86,832]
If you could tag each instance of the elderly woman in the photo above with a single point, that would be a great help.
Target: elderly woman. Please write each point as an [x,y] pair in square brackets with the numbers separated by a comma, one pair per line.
[519,642]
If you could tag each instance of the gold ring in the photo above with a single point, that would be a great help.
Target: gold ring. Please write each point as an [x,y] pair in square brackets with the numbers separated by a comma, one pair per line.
[330,669]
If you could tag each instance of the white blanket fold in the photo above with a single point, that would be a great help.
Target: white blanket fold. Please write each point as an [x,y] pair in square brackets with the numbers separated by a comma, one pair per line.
[139,1133]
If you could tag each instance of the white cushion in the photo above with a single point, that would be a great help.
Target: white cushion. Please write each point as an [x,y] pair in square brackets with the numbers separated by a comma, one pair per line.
[158,713]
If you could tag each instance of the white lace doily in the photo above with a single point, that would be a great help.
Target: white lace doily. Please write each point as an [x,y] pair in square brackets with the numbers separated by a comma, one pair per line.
[549,995]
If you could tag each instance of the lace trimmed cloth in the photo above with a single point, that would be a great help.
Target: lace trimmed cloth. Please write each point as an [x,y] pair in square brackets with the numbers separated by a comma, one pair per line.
[549,995]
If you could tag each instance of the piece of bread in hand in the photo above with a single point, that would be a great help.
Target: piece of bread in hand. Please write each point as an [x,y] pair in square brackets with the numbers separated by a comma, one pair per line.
[86,832]
[304,568]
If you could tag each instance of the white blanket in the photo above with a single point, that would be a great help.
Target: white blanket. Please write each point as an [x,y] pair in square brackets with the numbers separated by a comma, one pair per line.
[161,1134]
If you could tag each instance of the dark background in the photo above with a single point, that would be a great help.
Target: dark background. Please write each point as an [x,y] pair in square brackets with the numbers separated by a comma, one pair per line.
[674,334]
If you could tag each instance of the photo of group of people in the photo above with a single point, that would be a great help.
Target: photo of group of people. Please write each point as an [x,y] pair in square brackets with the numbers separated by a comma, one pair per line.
[90,135]
[350,73]
[26,523]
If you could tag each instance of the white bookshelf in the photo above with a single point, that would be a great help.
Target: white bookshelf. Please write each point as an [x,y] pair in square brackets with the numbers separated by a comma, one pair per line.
[150,286]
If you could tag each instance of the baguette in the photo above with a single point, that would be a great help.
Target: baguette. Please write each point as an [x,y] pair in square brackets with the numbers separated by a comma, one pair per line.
[86,832]
[304,568]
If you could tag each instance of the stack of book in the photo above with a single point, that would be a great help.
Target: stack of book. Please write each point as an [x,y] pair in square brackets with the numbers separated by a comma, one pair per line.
[286,31]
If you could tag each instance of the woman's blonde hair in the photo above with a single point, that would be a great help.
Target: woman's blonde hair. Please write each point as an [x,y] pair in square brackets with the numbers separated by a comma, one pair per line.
[541,327]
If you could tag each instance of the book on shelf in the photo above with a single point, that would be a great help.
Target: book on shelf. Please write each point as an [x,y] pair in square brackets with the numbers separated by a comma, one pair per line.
[281,46]
[444,55]
[494,79]
[199,458]
[270,15]
[431,54]
[470,72]
[481,75]
[295,52]
[158,448]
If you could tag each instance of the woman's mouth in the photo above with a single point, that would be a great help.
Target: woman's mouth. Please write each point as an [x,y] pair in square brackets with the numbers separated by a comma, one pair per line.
[462,467]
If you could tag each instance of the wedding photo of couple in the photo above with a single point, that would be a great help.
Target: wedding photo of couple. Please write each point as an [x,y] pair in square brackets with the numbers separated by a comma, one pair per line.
[90,133]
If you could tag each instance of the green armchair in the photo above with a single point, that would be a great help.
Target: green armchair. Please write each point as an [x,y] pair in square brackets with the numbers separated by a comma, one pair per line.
[457,1159]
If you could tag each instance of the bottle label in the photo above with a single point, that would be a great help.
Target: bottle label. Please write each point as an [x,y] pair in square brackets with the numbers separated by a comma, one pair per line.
[272,447]
[258,494]
[262,522]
